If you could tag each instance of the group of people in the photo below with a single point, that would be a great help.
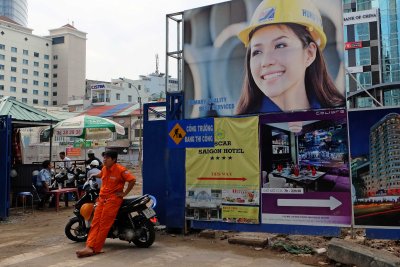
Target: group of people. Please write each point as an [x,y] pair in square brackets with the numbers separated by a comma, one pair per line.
[112,177]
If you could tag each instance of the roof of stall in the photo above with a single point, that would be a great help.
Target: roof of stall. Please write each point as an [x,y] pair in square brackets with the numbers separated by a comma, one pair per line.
[23,115]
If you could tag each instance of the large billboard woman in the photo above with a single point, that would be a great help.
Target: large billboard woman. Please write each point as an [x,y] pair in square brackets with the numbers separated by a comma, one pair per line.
[251,56]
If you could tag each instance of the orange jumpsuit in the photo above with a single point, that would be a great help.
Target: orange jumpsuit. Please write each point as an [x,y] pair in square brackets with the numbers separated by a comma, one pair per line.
[108,204]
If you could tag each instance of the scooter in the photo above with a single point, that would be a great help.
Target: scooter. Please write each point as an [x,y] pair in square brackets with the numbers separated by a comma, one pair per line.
[134,222]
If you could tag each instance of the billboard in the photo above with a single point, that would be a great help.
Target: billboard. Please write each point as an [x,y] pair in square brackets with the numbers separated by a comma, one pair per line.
[305,168]
[374,148]
[242,57]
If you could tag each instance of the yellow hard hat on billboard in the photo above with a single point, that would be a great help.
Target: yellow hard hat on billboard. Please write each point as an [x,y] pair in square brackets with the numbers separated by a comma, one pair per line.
[302,12]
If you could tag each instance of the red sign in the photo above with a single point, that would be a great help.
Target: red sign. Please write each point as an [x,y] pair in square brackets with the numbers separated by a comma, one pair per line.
[73,152]
[352,45]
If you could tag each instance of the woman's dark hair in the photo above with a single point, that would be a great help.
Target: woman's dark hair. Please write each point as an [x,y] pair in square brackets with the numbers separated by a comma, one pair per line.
[317,80]
[45,164]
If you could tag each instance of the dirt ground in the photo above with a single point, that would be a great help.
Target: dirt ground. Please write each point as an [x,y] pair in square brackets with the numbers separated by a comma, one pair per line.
[301,247]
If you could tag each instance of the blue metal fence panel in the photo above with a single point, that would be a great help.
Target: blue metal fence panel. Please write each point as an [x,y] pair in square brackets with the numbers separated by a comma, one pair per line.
[5,161]
[383,233]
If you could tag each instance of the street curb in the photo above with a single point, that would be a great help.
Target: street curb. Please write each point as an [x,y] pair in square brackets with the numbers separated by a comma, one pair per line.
[248,241]
[348,252]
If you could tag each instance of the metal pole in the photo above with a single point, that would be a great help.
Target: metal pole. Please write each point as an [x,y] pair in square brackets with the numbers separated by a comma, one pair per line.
[140,132]
[51,139]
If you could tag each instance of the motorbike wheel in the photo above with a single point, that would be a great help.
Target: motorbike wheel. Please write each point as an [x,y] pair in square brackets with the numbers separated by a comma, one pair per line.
[147,234]
[74,230]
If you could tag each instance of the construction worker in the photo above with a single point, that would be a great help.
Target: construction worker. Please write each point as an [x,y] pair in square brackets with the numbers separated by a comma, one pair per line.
[285,68]
[113,176]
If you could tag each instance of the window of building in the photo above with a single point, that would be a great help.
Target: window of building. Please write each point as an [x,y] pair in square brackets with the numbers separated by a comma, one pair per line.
[25,61]
[46,57]
[46,75]
[1,67]
[24,90]
[24,100]
[13,59]
[55,57]
[13,79]
[46,66]
[58,40]
[118,96]
[54,75]
[2,47]
[45,93]
[35,82]
[25,81]
[36,64]
[35,92]
[2,57]
[1,87]
[129,98]
[13,98]
[35,101]
[25,52]
[54,84]
[13,69]
[363,56]
[364,78]
[54,93]
[54,103]
[45,102]
[392,97]
[35,54]
[1,77]
[46,84]
[362,32]
[35,73]
[13,89]
[139,87]
[14,49]
[55,66]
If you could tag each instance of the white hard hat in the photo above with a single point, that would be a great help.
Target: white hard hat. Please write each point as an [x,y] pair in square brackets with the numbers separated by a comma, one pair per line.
[90,151]
[95,163]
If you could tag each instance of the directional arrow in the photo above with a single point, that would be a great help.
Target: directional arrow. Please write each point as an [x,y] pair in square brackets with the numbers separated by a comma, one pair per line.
[222,178]
[331,203]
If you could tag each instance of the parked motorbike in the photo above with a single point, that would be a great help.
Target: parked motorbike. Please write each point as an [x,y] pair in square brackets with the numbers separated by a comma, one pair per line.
[69,178]
[134,222]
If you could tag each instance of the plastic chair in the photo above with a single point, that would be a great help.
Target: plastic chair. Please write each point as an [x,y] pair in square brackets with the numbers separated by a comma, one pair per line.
[24,196]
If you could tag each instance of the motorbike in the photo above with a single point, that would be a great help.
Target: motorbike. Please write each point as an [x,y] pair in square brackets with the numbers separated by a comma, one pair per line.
[68,178]
[134,222]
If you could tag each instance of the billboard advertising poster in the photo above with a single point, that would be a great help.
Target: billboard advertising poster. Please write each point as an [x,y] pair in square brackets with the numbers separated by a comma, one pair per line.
[223,182]
[305,168]
[375,169]
[249,57]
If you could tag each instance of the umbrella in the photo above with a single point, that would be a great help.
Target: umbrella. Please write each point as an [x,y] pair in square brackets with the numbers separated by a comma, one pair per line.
[88,127]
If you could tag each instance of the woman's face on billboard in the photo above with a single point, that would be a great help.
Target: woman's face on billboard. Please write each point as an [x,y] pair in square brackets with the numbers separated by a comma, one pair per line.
[278,61]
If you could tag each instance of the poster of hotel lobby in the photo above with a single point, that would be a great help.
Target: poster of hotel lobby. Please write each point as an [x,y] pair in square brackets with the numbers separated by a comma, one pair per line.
[305,168]
[375,166]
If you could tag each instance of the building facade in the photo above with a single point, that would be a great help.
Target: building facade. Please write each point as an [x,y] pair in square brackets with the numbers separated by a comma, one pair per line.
[17,10]
[372,52]
[25,64]
[384,139]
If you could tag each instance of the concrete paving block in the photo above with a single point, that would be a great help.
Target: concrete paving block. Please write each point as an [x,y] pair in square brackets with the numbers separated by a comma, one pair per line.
[348,252]
[248,241]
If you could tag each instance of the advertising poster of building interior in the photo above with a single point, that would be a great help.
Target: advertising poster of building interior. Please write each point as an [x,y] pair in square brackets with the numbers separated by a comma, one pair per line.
[305,168]
[375,166]
[223,182]
[226,44]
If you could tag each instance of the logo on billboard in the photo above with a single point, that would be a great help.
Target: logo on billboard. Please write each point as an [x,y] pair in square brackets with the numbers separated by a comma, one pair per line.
[177,133]
[98,86]
[267,14]
[352,45]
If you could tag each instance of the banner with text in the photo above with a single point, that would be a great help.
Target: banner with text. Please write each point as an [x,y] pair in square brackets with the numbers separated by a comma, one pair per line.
[191,133]
[222,183]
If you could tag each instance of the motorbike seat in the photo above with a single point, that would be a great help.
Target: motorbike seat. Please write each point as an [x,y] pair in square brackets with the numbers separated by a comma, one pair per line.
[130,204]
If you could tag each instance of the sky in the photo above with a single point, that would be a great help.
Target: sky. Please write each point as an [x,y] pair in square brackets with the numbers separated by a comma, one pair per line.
[123,36]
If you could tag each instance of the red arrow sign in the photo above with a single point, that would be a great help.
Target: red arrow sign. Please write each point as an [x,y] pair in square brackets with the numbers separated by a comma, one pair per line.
[222,178]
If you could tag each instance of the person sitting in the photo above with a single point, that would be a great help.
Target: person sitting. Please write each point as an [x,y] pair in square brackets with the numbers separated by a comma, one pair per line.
[92,157]
[66,161]
[94,171]
[43,182]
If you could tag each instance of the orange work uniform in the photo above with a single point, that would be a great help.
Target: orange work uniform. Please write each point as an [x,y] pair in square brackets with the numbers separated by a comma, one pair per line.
[107,204]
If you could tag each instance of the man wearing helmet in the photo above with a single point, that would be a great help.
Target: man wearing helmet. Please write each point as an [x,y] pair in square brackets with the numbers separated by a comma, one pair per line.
[92,157]
[285,68]
[113,176]
[94,171]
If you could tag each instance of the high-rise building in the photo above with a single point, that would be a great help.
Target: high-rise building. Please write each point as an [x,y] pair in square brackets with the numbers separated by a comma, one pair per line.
[17,10]
[384,149]
[372,52]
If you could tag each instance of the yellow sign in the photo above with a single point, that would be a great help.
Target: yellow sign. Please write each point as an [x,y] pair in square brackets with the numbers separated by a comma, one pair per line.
[240,214]
[177,133]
